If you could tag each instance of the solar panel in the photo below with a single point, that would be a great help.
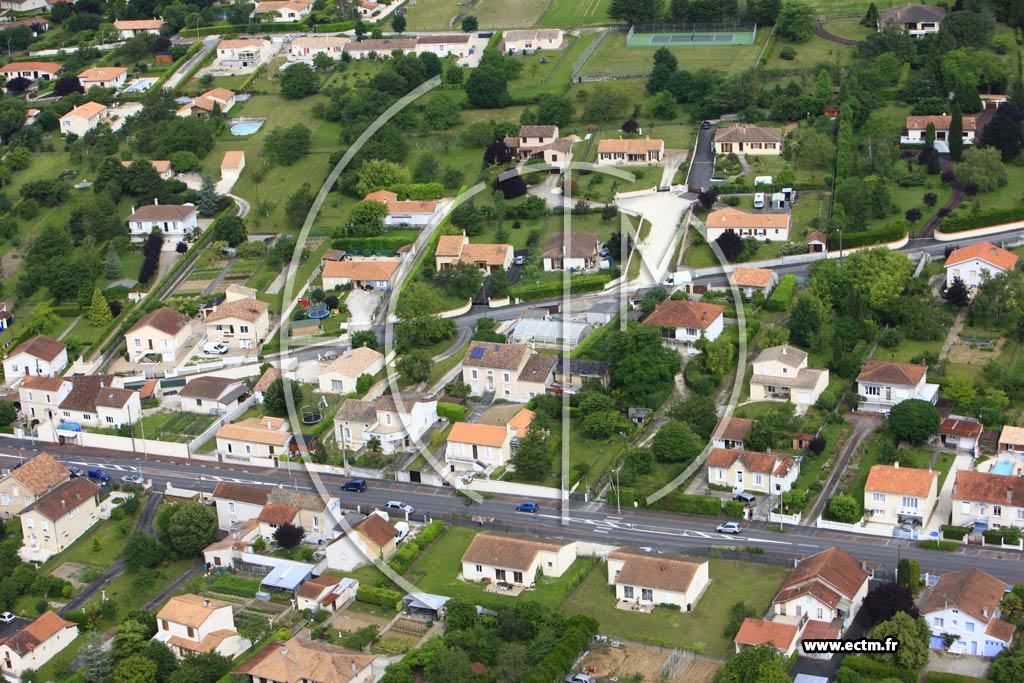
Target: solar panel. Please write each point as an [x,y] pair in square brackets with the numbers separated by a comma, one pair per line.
[478,352]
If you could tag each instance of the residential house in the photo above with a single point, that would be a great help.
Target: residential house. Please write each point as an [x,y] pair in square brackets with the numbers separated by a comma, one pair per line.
[972,263]
[965,604]
[516,560]
[750,140]
[40,356]
[103,77]
[175,221]
[883,384]
[894,494]
[243,52]
[327,593]
[478,448]
[414,213]
[917,19]
[241,322]
[767,226]
[817,242]
[1011,441]
[455,44]
[34,644]
[398,422]
[255,440]
[33,71]
[25,5]
[994,101]
[781,374]
[984,500]
[612,152]
[829,587]
[238,503]
[306,509]
[576,252]
[306,49]
[757,632]
[730,432]
[163,333]
[380,47]
[280,11]
[368,8]
[770,473]
[298,660]
[961,433]
[579,372]
[362,541]
[342,375]
[452,249]
[753,280]
[208,102]
[232,164]
[38,24]
[542,143]
[85,400]
[509,371]
[6,316]
[687,321]
[23,485]
[138,27]
[161,166]
[191,624]
[58,518]
[917,127]
[370,273]
[524,41]
[209,395]
[83,118]
[647,579]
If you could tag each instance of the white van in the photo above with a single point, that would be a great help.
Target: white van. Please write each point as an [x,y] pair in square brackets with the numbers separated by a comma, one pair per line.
[215,348]
[759,200]
[403,530]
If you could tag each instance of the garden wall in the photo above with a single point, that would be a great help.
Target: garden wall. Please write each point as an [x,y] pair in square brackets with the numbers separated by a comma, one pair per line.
[47,433]
[978,232]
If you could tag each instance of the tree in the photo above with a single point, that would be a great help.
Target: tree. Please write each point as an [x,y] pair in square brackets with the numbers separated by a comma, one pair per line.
[533,458]
[132,636]
[94,660]
[367,219]
[441,112]
[913,636]
[795,21]
[297,208]
[870,17]
[914,420]
[378,174]
[640,363]
[1007,667]
[1004,131]
[398,22]
[230,229]
[498,284]
[707,198]
[738,612]
[699,412]
[299,80]
[760,664]
[638,460]
[498,153]
[844,508]
[675,442]
[165,660]
[142,551]
[731,245]
[957,293]
[459,614]
[323,62]
[513,662]
[276,398]
[805,320]
[113,270]
[192,527]
[956,133]
[284,145]
[886,599]
[763,12]
[982,167]
[462,280]
[134,669]
[99,311]
[469,24]
[288,535]
[635,11]
[554,110]
[366,338]
[67,86]
[487,87]
[663,105]
[414,366]
[8,413]
[817,445]
[208,199]
[718,356]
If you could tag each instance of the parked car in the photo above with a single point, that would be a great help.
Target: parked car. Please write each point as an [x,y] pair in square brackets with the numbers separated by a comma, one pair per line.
[908,526]
[215,348]
[729,528]
[399,505]
[745,498]
[528,506]
[133,479]
[403,531]
[519,260]
[76,472]
[97,473]
[7,617]
[580,678]
[705,125]
[759,200]
[329,354]
[357,485]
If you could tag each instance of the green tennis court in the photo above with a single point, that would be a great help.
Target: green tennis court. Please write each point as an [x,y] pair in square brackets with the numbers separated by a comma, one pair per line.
[659,35]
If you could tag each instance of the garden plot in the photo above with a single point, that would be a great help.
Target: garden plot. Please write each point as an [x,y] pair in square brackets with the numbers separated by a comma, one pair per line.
[649,664]
[975,350]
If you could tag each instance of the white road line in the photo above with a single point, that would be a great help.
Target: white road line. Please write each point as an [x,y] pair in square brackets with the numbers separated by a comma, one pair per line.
[808,545]
[601,530]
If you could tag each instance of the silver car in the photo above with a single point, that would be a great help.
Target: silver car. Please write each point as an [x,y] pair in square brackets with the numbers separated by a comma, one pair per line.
[133,479]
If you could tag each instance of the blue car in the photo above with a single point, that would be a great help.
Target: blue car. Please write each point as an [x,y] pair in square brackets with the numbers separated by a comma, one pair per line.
[97,473]
[529,506]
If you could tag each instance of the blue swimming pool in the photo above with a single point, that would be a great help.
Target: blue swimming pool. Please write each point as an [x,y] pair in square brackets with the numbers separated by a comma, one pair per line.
[245,128]
[1003,467]
[141,85]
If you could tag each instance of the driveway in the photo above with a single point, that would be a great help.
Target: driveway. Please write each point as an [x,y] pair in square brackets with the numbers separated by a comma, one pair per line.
[664,210]
[361,305]
[703,164]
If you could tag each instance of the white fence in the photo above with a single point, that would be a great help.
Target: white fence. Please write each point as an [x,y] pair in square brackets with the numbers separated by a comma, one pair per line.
[784,519]
[230,416]
[515,489]
[857,528]
[48,433]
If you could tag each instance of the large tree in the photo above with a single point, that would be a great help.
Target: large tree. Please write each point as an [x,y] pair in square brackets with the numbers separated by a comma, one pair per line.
[276,401]
[675,442]
[286,145]
[487,87]
[982,167]
[914,420]
[760,664]
[886,599]
[532,459]
[298,81]
[142,551]
[956,133]
[1004,131]
[230,229]
[378,174]
[288,535]
[795,21]
[191,528]
[913,636]
[366,219]
[698,411]
[635,11]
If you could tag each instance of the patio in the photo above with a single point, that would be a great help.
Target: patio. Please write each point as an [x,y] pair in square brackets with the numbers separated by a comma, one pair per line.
[642,607]
[501,588]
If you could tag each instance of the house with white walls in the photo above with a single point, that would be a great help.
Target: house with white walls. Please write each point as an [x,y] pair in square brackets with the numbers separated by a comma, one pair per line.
[965,605]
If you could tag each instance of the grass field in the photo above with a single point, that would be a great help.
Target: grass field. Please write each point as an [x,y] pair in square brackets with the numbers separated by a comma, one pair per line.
[437,15]
[613,57]
[848,28]
[907,349]
[572,13]
[808,54]
[839,8]
[549,71]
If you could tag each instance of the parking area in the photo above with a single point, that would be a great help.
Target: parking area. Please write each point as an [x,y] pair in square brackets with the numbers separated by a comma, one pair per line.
[361,306]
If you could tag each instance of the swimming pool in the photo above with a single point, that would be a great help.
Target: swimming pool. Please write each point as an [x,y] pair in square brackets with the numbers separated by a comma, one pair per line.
[141,85]
[245,128]
[1003,467]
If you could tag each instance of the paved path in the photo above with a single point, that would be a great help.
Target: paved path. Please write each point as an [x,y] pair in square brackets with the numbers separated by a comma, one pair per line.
[954,333]
[963,461]
[958,196]
[702,164]
[220,277]
[209,42]
[674,158]
[863,424]
[243,205]
[68,329]
[664,211]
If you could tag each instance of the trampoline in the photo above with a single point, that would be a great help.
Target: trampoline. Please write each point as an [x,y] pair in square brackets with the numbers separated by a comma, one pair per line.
[311,414]
[318,311]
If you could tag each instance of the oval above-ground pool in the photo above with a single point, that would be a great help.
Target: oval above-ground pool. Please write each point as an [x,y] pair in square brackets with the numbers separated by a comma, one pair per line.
[245,128]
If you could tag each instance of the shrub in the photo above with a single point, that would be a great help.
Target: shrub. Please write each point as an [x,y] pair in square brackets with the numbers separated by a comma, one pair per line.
[379,596]
[961,223]
[782,297]
[787,53]
[876,671]
[734,509]
[954,532]
[700,505]
[429,533]
[945,546]
[452,411]
[579,284]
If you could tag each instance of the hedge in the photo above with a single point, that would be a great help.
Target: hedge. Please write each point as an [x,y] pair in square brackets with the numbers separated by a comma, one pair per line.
[782,297]
[578,284]
[889,233]
[381,243]
[379,596]
[945,546]
[879,670]
[700,505]
[411,550]
[943,677]
[429,533]
[254,28]
[236,585]
[575,638]
[734,188]
[734,509]
[418,191]
[452,411]
[994,536]
[954,532]
[982,220]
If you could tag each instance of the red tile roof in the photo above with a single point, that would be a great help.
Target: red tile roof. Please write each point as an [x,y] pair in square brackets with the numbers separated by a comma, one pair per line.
[907,481]
[683,313]
[888,372]
[996,489]
[761,632]
[834,569]
[984,251]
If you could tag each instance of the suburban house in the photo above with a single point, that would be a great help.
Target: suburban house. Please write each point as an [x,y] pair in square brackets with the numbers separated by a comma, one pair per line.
[984,500]
[1011,440]
[917,126]
[137,27]
[368,8]
[532,140]
[6,317]
[522,41]
[328,593]
[298,660]
[452,249]
[161,166]
[255,440]
[306,49]
[687,321]
[512,372]
[971,263]
[304,509]
[397,422]
[208,395]
[781,374]
[35,643]
[33,71]
[342,375]
[269,376]
[619,152]
[883,384]
[232,164]
[894,494]
[176,221]
[752,280]
[767,226]
[283,10]
[372,273]
[516,560]
[40,356]
[371,538]
[730,432]
[190,624]
[208,102]
[163,333]
[917,19]
[643,580]
[456,44]
[827,587]
[380,47]
[83,118]
[241,321]
[103,77]
[23,485]
[406,212]
[57,518]
[961,433]
[782,636]
[85,400]
[238,503]
[243,52]
[965,604]
[576,251]
[747,139]
[770,473]
[994,101]
[478,447]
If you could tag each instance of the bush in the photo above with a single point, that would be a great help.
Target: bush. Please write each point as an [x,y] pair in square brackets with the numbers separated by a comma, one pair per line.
[379,596]
[700,505]
[889,233]
[945,546]
[734,509]
[876,671]
[579,284]
[954,532]
[787,53]
[429,533]
[381,243]
[782,297]
[453,412]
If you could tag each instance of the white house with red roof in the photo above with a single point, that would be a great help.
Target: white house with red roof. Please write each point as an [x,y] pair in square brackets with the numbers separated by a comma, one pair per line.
[687,321]
[917,127]
[883,384]
[966,604]
[771,473]
[972,263]
[960,432]
[405,212]
[894,494]
[36,643]
[191,624]
[39,356]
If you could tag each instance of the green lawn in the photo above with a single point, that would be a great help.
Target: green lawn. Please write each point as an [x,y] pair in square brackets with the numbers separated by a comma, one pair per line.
[911,197]
[808,54]
[547,70]
[571,13]
[1006,197]
[699,630]
[111,542]
[598,455]
[907,349]
[838,8]
[165,425]
[869,457]
[810,468]
[437,15]
[614,57]
[848,28]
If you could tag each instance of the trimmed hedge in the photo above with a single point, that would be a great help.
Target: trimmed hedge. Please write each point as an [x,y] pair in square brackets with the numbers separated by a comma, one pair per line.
[782,297]
[411,550]
[878,670]
[734,188]
[452,411]
[994,536]
[578,284]
[943,677]
[379,596]
[945,546]
[982,220]
[890,233]
[429,533]
[734,509]
[382,243]
[254,28]
[701,505]
[954,532]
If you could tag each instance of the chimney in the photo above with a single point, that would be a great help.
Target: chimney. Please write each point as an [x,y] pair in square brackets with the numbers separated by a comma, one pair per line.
[355,669]
[63,504]
[206,602]
[784,350]
[984,612]
[896,465]
[864,565]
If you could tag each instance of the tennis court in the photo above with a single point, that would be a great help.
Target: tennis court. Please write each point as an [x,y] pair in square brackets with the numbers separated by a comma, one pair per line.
[669,35]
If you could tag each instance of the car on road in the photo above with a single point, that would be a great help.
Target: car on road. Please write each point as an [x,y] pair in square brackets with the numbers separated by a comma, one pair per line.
[76,472]
[329,354]
[399,505]
[215,348]
[704,125]
[7,617]
[97,473]
[729,528]
[133,479]
[357,485]
[528,506]
[580,678]
[519,260]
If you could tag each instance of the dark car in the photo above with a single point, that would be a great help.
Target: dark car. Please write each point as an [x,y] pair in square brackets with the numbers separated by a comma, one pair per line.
[705,125]
[76,472]
[528,506]
[357,485]
[97,473]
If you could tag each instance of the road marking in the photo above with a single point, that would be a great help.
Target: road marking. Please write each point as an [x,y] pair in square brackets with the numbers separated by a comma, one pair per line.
[808,545]
[602,530]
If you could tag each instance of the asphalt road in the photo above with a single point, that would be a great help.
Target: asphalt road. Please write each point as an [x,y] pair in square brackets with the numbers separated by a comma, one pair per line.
[664,531]
[703,165]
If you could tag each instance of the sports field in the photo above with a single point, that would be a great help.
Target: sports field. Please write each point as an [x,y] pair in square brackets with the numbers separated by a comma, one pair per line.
[692,38]
[614,58]
[572,13]
[437,15]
